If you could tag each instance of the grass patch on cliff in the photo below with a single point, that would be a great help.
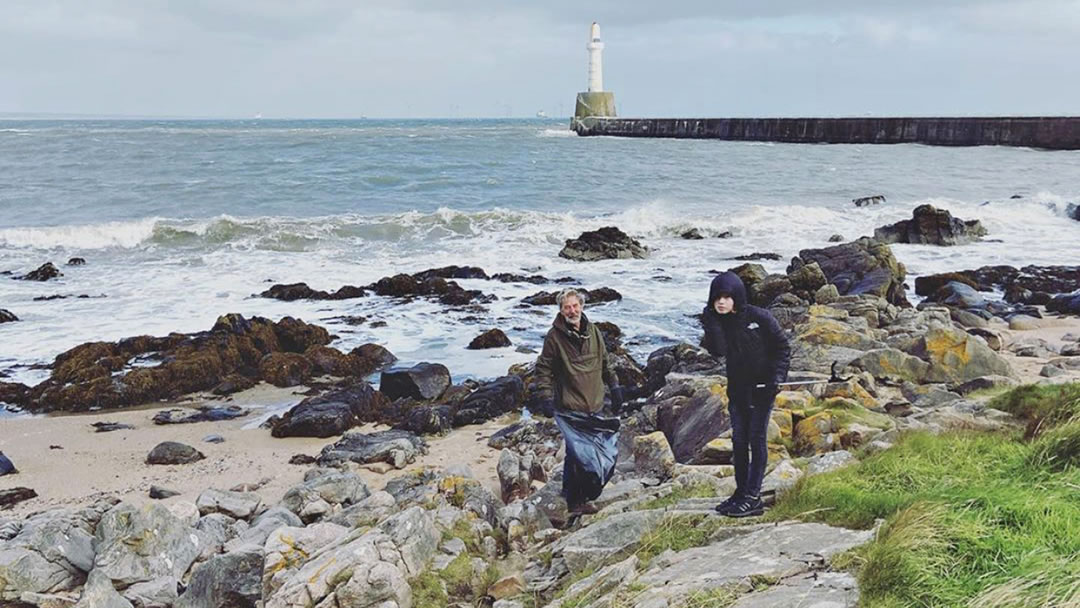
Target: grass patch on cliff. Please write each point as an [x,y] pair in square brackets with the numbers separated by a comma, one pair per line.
[977,520]
[1043,406]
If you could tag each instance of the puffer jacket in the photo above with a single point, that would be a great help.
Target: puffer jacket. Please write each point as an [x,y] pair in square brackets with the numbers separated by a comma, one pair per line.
[574,366]
[755,346]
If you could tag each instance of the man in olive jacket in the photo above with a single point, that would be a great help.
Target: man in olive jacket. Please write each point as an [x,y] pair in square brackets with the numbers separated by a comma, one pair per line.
[571,373]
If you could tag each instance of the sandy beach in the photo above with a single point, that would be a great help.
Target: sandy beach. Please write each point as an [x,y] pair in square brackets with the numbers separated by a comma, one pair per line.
[88,464]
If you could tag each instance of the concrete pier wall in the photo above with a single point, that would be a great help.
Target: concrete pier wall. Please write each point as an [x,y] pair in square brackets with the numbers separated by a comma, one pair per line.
[1057,133]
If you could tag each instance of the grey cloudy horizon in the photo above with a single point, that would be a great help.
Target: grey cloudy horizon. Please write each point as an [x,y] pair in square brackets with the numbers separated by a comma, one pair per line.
[478,58]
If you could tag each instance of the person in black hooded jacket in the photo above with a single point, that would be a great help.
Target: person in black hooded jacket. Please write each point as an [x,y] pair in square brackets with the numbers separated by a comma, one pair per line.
[757,354]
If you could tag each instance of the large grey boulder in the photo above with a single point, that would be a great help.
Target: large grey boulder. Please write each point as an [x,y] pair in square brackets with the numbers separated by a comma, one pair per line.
[173,452]
[136,545]
[956,356]
[229,580]
[288,546]
[158,593]
[772,551]
[239,505]
[367,512]
[318,497]
[397,447]
[51,552]
[100,593]
[594,544]
[694,415]
[263,526]
[892,365]
[811,589]
[423,381]
[363,569]
[830,461]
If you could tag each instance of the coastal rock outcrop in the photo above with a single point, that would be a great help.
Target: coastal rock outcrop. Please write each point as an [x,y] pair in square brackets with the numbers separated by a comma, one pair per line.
[6,316]
[595,296]
[931,226]
[865,266]
[332,413]
[397,447]
[1027,285]
[301,291]
[607,243]
[445,291]
[143,369]
[423,381]
[43,273]
[492,338]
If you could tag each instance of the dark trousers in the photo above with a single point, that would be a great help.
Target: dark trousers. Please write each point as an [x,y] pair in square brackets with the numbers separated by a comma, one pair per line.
[750,411]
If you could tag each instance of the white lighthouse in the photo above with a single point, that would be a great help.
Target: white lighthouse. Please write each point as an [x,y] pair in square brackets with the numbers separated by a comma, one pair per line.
[596,68]
[596,102]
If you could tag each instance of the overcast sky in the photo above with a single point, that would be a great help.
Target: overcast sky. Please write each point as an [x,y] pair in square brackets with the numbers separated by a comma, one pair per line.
[442,58]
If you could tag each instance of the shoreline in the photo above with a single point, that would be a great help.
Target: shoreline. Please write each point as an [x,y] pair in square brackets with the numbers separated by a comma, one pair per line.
[92,465]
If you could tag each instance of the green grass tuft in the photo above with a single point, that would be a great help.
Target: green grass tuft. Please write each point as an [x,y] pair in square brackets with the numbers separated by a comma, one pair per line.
[977,520]
[1042,405]
[1058,449]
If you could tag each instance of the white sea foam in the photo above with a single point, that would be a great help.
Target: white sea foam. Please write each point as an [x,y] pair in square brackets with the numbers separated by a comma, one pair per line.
[87,236]
[555,133]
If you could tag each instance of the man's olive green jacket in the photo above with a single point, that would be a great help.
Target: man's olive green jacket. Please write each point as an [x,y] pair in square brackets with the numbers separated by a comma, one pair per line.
[574,366]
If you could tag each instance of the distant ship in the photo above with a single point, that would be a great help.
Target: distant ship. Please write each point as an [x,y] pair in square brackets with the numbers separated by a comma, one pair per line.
[541,114]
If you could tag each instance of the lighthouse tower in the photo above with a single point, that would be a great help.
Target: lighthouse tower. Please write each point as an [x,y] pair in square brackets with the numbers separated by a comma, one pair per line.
[596,68]
[596,102]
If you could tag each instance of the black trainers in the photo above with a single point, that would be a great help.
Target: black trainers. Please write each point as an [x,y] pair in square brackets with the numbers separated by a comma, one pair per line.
[751,506]
[728,502]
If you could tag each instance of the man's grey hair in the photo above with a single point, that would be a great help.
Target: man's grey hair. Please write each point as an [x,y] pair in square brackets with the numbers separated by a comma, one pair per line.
[569,293]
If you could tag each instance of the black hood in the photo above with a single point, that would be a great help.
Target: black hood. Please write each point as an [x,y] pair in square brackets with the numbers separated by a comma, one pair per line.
[729,283]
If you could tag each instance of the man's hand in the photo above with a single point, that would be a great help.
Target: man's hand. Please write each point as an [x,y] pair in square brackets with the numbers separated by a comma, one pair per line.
[617,399]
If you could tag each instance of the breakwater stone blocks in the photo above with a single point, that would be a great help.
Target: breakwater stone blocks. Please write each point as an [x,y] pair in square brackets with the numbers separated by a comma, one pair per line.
[1052,132]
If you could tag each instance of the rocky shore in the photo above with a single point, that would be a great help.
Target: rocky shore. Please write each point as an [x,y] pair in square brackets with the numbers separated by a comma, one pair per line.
[253,464]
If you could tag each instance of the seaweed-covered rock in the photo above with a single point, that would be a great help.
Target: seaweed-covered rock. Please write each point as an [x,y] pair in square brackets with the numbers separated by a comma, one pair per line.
[117,374]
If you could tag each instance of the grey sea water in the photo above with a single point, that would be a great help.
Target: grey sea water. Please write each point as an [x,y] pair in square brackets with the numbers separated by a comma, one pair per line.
[182,221]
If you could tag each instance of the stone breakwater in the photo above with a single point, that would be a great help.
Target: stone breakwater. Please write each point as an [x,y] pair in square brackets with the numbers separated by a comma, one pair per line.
[1050,132]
